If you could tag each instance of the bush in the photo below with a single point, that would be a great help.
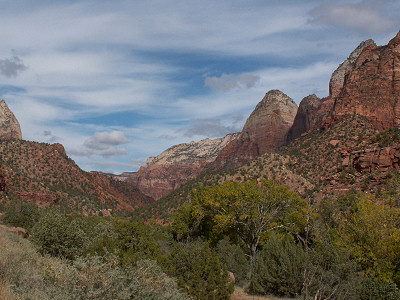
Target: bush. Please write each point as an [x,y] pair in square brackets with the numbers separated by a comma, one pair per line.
[25,274]
[200,272]
[278,269]
[378,290]
[234,258]
[57,235]
[21,214]
[330,273]
[96,278]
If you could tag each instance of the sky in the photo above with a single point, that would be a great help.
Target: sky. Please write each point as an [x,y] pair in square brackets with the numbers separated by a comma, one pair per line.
[118,81]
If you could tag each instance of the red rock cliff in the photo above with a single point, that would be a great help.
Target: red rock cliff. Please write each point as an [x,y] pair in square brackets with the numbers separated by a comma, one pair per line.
[372,87]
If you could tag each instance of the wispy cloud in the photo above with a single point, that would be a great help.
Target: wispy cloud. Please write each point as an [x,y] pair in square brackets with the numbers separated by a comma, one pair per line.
[211,127]
[364,16]
[81,70]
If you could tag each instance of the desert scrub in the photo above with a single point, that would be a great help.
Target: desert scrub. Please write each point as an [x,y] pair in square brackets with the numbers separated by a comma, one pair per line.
[25,274]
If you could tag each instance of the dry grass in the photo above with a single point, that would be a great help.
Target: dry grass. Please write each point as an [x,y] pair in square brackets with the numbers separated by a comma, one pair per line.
[5,293]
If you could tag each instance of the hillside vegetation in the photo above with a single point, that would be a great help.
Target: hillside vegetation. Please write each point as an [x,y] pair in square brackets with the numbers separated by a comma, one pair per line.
[45,174]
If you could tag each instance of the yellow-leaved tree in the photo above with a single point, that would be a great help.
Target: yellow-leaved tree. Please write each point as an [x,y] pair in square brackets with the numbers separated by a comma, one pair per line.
[372,235]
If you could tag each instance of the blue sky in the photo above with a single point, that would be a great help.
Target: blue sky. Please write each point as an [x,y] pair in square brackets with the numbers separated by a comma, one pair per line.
[118,81]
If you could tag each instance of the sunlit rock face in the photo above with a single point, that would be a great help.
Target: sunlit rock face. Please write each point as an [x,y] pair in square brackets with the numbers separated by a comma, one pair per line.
[9,125]
[265,130]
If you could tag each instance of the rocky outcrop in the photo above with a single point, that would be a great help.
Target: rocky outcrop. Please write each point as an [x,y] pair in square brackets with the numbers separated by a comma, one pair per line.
[176,165]
[9,126]
[264,130]
[59,148]
[372,87]
[311,114]
[337,78]
[374,159]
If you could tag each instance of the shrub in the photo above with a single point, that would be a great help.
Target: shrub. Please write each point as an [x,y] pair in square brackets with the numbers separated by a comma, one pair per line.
[278,269]
[57,235]
[330,274]
[234,258]
[200,272]
[378,290]
[21,214]
[25,274]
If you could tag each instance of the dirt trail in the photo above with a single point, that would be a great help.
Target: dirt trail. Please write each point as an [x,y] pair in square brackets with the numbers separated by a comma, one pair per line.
[240,294]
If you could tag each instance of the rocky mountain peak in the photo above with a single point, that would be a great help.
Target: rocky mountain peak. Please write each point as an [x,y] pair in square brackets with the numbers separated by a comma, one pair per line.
[264,130]
[394,42]
[275,98]
[190,153]
[9,125]
[337,79]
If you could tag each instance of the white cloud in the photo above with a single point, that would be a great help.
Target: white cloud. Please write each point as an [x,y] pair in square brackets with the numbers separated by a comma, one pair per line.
[103,140]
[103,144]
[229,81]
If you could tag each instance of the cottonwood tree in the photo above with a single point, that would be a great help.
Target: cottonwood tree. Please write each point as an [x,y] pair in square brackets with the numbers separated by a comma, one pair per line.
[249,209]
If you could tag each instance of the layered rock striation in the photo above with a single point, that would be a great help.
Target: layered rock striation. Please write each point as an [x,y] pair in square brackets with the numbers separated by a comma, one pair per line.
[9,125]
[264,130]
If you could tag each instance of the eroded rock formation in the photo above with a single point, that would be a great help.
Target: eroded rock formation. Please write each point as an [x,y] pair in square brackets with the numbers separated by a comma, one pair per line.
[312,113]
[9,125]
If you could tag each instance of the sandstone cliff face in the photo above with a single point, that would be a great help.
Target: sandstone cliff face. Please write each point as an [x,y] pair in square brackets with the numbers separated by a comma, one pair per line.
[265,130]
[176,165]
[372,87]
[318,113]
[9,126]
[337,79]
